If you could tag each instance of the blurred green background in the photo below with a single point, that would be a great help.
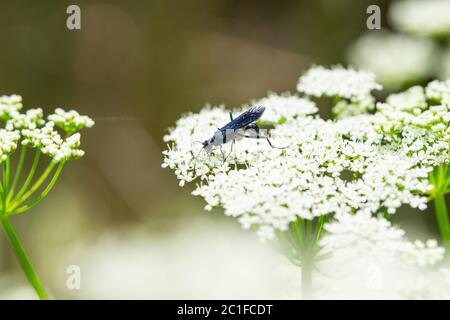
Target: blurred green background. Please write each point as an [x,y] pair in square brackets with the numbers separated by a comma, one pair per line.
[135,67]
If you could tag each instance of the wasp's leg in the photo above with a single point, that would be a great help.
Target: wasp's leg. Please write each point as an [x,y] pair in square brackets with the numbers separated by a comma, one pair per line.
[231,150]
[253,127]
[223,154]
[260,137]
[231,116]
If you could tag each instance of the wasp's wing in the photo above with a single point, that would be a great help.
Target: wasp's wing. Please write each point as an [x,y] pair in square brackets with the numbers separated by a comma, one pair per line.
[245,118]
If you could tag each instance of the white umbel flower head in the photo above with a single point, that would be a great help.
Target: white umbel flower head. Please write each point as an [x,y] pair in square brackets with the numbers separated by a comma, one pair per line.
[327,167]
[9,104]
[70,121]
[384,54]
[424,18]
[337,81]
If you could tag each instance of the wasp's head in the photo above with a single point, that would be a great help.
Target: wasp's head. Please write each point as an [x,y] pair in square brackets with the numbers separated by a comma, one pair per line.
[207,145]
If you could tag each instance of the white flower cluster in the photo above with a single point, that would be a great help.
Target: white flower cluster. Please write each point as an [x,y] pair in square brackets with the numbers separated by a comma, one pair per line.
[337,81]
[8,143]
[424,18]
[9,104]
[70,121]
[50,143]
[32,130]
[349,88]
[439,92]
[31,119]
[320,173]
[370,258]
[418,125]
[327,167]
[396,59]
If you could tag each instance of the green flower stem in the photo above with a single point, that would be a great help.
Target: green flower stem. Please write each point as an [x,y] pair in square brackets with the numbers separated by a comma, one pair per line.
[29,177]
[6,177]
[439,177]
[42,194]
[25,263]
[18,173]
[442,218]
[35,186]
[300,245]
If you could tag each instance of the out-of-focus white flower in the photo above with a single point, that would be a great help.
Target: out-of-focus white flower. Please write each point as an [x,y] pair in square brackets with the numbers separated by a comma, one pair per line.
[9,104]
[337,81]
[370,258]
[70,121]
[425,18]
[8,143]
[395,59]
[192,260]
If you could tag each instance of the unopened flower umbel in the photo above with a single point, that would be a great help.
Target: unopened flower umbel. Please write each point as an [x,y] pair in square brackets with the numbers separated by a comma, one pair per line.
[29,131]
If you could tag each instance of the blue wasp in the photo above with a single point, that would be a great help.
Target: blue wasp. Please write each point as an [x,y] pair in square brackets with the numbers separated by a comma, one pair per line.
[237,127]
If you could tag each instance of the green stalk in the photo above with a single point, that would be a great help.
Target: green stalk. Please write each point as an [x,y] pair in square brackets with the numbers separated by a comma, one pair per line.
[439,178]
[42,194]
[29,177]
[22,257]
[18,173]
[303,236]
[6,177]
[442,218]
[35,186]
